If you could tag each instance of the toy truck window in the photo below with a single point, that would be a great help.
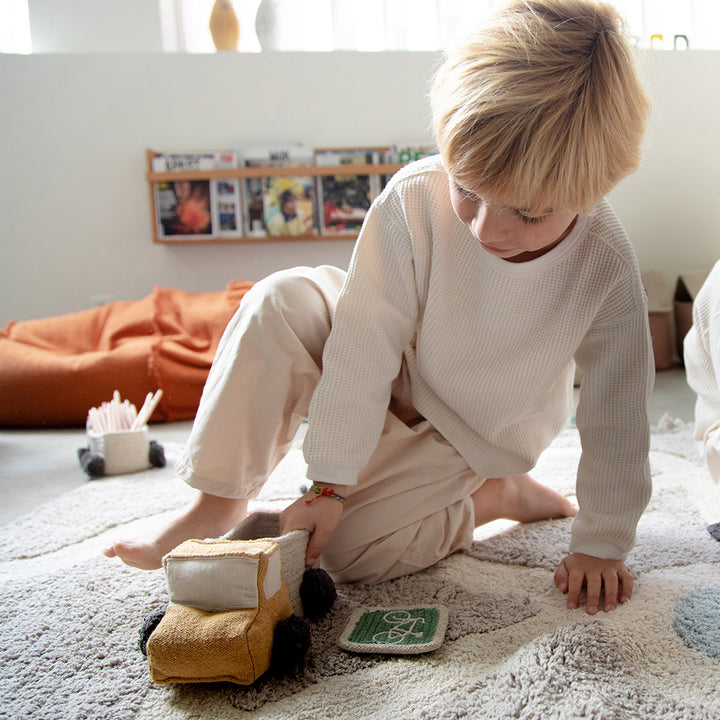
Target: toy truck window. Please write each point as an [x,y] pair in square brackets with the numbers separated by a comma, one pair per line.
[214,584]
[273,578]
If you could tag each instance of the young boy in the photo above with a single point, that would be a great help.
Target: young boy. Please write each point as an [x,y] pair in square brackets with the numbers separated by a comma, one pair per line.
[438,369]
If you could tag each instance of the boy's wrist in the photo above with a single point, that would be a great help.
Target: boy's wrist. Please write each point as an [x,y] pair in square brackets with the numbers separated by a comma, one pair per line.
[325,490]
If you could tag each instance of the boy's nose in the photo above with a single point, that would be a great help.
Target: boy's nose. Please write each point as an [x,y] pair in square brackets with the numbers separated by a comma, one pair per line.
[486,225]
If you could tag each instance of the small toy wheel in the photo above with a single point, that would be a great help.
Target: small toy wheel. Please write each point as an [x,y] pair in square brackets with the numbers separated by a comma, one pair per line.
[150,623]
[317,593]
[156,454]
[92,464]
[291,642]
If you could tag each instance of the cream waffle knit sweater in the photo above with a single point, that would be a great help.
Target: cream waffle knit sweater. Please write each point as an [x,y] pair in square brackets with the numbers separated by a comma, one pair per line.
[702,362]
[489,346]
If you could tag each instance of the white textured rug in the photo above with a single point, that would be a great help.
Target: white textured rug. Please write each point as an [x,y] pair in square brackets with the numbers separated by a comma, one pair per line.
[69,617]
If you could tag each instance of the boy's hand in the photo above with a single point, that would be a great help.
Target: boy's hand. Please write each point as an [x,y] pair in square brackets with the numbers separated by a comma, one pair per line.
[578,570]
[319,517]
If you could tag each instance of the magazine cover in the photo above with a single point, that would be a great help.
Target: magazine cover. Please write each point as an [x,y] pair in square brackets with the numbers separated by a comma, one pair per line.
[344,200]
[288,206]
[408,153]
[278,206]
[228,208]
[184,209]
[177,162]
[197,209]
[405,154]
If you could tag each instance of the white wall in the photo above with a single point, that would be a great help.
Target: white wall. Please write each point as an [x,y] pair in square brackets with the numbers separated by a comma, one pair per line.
[74,201]
[94,26]
[671,205]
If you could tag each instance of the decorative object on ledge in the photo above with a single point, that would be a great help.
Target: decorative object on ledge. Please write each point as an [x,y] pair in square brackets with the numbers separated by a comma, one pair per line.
[224,26]
[266,25]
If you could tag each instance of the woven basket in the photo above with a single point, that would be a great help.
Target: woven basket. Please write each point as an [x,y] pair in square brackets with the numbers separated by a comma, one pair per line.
[124,451]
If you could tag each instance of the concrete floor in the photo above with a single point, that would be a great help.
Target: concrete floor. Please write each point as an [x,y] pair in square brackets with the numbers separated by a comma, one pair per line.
[39,465]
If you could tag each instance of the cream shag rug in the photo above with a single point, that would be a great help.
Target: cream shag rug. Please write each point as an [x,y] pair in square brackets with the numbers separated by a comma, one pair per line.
[70,617]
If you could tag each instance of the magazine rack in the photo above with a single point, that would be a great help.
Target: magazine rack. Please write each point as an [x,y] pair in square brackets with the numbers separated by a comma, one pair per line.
[236,173]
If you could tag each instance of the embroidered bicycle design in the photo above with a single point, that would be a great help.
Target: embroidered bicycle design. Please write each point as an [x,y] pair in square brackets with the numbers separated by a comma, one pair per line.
[404,626]
[399,630]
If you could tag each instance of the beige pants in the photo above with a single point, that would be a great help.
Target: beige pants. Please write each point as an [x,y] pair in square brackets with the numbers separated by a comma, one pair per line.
[411,506]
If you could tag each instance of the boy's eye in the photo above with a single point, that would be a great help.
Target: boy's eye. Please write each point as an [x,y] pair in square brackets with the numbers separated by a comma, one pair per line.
[530,219]
[527,219]
[466,193]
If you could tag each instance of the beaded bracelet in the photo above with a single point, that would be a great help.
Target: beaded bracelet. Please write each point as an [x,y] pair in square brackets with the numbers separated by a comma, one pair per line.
[324,492]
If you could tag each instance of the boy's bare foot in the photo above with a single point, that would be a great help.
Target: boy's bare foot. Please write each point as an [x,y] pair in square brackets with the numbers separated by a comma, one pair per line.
[208,516]
[519,498]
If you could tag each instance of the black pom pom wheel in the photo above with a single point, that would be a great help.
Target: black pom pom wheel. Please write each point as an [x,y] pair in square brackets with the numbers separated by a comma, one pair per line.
[291,643]
[317,593]
[151,622]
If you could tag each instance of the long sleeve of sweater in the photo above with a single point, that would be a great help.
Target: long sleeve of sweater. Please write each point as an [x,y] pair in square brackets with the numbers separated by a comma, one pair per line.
[374,320]
[614,485]
[702,353]
[702,364]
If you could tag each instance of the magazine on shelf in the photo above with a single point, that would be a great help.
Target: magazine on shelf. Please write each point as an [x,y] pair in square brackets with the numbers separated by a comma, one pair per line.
[407,153]
[184,209]
[178,162]
[344,199]
[197,209]
[283,205]
[228,210]
[228,213]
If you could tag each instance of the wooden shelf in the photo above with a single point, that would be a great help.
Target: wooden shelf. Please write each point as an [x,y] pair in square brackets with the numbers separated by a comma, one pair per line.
[247,239]
[255,172]
[251,172]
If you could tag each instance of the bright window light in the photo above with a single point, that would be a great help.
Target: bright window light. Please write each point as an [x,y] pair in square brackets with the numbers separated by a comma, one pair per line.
[15,27]
[375,25]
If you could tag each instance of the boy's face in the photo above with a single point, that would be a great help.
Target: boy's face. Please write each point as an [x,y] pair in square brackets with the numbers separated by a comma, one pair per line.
[508,232]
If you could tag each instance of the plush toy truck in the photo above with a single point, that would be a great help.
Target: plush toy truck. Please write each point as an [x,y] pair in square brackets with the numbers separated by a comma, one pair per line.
[235,609]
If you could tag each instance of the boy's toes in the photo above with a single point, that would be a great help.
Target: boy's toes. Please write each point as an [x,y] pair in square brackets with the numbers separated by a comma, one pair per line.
[139,555]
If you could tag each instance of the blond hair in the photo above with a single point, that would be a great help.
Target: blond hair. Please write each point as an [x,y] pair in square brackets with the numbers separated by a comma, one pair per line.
[543,107]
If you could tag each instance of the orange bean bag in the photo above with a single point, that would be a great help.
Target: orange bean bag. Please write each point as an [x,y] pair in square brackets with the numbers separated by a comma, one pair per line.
[53,370]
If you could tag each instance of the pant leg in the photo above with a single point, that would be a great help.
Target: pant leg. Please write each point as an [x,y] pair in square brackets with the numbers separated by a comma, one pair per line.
[412,504]
[711,444]
[261,381]
[411,507]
